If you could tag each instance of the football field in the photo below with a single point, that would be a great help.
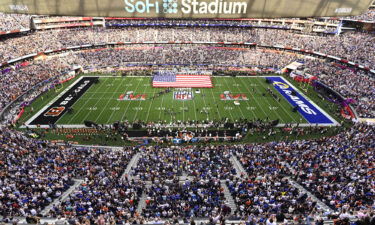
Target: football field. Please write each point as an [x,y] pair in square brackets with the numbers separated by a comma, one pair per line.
[111,99]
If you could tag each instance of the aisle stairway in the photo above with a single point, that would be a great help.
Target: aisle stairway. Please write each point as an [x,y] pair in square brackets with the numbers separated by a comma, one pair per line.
[133,162]
[64,196]
[321,204]
[142,201]
[229,199]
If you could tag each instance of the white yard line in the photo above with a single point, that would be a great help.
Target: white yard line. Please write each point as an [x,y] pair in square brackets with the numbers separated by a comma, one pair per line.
[71,119]
[118,102]
[139,104]
[105,107]
[269,104]
[253,97]
[205,105]
[149,108]
[293,119]
[183,110]
[230,113]
[247,101]
[218,111]
[243,115]
[195,109]
[126,110]
[162,99]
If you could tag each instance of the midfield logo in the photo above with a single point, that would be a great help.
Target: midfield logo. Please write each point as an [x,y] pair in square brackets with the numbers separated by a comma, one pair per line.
[130,96]
[228,96]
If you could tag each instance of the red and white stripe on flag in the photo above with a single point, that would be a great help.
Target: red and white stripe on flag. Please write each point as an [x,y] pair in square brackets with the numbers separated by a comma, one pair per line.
[187,81]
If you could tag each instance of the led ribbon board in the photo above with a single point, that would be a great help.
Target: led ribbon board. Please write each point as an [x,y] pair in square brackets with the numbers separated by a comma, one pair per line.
[188,8]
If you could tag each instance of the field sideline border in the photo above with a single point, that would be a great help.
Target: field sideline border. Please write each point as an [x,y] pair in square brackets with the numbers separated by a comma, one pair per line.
[335,123]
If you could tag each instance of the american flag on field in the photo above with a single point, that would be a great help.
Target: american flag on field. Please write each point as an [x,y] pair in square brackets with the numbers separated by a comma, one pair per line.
[182,81]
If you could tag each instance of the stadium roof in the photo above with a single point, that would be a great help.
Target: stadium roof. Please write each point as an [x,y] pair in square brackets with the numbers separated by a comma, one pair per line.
[188,8]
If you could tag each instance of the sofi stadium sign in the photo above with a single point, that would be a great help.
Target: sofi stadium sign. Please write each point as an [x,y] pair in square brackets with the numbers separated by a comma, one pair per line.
[186,7]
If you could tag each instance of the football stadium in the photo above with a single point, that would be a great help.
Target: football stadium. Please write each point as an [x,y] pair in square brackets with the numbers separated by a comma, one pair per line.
[187,112]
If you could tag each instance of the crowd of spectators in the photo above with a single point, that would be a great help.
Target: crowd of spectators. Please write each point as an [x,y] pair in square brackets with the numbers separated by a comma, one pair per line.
[10,22]
[32,176]
[272,24]
[201,162]
[103,192]
[269,195]
[35,173]
[156,164]
[369,15]
[18,81]
[354,46]
[338,170]
[265,188]
[168,198]
[349,82]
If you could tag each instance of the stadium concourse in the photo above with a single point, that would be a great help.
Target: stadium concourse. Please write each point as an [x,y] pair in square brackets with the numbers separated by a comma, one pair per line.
[324,180]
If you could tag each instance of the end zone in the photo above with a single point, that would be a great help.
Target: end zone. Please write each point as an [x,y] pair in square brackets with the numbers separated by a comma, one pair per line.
[307,108]
[52,112]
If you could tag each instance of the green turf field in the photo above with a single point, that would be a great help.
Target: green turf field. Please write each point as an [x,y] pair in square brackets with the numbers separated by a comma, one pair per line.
[100,102]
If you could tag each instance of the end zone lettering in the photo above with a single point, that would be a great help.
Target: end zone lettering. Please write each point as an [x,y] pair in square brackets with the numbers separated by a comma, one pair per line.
[301,104]
[76,91]
[58,108]
[311,112]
